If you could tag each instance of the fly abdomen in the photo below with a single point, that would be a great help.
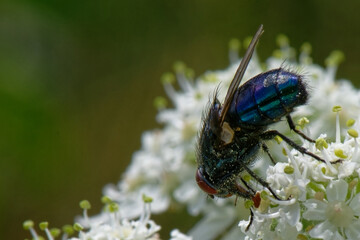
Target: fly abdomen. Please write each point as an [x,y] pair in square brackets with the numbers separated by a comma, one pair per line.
[266,98]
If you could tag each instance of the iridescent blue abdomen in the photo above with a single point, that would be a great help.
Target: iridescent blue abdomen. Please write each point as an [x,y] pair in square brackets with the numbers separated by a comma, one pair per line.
[266,98]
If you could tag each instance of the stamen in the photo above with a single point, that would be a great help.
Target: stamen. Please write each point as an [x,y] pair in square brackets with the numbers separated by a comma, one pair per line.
[283,202]
[44,226]
[268,215]
[337,109]
[85,205]
[292,160]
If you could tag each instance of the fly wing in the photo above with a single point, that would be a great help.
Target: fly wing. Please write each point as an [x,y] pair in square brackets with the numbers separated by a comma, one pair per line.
[240,73]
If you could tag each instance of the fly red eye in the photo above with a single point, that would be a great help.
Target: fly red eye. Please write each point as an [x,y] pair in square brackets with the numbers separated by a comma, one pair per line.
[204,184]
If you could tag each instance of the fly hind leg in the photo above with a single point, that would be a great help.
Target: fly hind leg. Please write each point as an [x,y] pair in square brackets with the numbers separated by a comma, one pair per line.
[292,127]
[271,134]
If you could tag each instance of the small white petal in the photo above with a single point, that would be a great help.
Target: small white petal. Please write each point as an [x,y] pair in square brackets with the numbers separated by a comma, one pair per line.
[355,204]
[346,169]
[293,214]
[337,190]
[214,223]
[316,210]
[352,232]
[324,230]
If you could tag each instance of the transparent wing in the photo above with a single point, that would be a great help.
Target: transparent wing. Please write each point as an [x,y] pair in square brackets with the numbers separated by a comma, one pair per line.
[240,73]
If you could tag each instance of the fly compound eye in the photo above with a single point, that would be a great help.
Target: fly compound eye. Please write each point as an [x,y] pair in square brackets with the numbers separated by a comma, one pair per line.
[204,184]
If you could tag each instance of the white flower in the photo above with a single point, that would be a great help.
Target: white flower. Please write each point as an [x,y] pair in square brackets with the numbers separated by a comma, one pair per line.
[338,215]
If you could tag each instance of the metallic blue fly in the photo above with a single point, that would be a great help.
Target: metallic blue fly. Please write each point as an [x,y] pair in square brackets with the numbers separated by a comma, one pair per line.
[235,131]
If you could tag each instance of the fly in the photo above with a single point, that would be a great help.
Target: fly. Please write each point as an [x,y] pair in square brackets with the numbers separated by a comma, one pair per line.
[233,132]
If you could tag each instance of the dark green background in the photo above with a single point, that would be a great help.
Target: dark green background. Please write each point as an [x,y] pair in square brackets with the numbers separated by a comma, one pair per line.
[78,79]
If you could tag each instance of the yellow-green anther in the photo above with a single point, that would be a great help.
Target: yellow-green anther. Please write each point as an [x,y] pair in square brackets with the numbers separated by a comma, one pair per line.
[303,121]
[284,151]
[350,122]
[113,207]
[247,178]
[278,139]
[168,78]
[77,227]
[335,58]
[85,204]
[147,199]
[234,44]
[248,204]
[55,232]
[179,67]
[282,40]
[353,133]
[28,224]
[301,236]
[320,144]
[68,229]
[106,200]
[160,102]
[337,109]
[306,47]
[323,170]
[340,153]
[288,169]
[43,225]
[264,195]
[211,77]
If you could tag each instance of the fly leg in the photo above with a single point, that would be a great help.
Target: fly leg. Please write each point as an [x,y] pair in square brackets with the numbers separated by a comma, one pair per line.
[251,220]
[248,187]
[253,197]
[270,134]
[292,127]
[266,149]
[248,193]
[259,180]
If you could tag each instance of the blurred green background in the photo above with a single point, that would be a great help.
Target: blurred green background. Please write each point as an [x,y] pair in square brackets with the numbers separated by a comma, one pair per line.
[78,79]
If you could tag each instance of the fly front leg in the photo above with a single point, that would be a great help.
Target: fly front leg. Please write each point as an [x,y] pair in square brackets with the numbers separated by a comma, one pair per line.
[251,220]
[292,127]
[259,180]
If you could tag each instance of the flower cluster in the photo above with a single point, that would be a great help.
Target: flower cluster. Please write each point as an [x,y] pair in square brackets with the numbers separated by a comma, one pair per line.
[324,197]
[114,227]
[321,199]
